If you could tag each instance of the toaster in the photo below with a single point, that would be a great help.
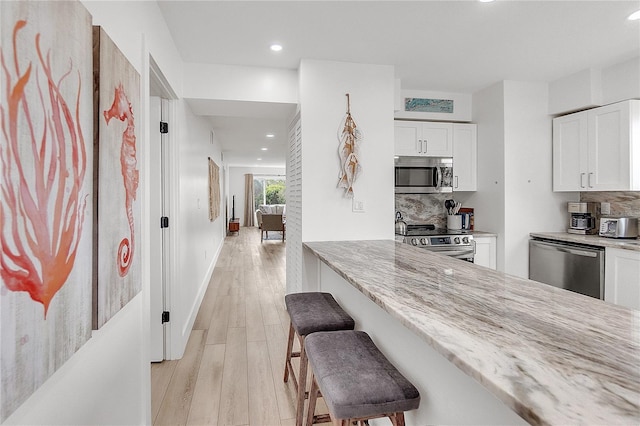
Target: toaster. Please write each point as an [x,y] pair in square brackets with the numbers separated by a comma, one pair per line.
[619,227]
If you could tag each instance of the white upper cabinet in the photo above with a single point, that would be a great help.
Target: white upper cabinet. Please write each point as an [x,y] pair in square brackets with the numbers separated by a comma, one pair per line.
[598,149]
[465,157]
[425,139]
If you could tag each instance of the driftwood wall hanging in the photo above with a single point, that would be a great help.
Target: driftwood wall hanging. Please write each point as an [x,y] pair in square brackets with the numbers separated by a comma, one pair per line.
[350,137]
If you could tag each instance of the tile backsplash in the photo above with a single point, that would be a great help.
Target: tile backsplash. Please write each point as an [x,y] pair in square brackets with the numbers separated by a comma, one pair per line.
[429,208]
[622,203]
[423,208]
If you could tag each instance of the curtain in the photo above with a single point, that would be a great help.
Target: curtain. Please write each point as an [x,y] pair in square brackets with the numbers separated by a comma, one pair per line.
[248,200]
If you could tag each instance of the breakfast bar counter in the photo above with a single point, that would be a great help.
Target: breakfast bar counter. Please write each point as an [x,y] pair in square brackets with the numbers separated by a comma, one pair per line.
[483,346]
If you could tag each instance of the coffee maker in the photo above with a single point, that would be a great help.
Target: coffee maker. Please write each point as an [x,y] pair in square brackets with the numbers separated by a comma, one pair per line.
[583,218]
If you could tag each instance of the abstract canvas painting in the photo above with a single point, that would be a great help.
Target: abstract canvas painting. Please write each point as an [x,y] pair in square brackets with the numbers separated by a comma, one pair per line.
[46,163]
[214,190]
[117,106]
[428,105]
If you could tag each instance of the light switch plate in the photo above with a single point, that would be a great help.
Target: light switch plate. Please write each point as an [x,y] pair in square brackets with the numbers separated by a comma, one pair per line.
[357,206]
[605,208]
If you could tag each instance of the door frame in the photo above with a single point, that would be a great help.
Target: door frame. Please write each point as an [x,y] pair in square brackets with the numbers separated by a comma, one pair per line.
[168,185]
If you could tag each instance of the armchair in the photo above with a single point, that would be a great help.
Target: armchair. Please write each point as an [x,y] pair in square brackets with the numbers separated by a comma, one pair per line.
[271,222]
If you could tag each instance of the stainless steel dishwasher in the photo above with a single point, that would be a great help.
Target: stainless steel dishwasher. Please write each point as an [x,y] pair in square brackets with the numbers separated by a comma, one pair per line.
[574,267]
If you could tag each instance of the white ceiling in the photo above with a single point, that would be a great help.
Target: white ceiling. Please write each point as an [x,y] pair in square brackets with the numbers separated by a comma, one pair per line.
[454,46]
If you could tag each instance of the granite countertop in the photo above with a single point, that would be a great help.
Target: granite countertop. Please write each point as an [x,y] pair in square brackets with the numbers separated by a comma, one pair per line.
[553,356]
[592,240]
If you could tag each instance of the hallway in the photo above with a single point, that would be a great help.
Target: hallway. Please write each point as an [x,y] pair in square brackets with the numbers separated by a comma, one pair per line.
[231,372]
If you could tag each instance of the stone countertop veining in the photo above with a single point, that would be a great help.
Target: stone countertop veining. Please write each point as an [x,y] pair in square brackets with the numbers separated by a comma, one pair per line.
[553,356]
[592,240]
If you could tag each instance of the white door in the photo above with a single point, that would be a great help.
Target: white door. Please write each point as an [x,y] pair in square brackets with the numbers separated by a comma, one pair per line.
[609,148]
[570,155]
[407,138]
[157,259]
[437,139]
[465,157]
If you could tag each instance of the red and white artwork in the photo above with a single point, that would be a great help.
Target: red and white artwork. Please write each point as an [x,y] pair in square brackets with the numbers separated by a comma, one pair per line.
[117,102]
[46,164]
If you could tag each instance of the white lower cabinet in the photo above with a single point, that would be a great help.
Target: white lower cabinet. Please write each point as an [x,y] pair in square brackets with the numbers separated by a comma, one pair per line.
[485,251]
[622,277]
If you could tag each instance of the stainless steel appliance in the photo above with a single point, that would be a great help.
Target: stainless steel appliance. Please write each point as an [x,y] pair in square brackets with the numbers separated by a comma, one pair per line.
[582,218]
[574,267]
[619,227]
[423,175]
[458,244]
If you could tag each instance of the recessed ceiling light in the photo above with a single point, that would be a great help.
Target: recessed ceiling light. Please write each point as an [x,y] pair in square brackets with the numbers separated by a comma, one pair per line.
[276,47]
[259,159]
[264,149]
[485,1]
[634,16]
[270,135]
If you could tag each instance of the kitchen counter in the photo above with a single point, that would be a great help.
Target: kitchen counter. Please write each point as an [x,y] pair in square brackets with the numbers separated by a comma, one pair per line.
[550,355]
[483,234]
[592,240]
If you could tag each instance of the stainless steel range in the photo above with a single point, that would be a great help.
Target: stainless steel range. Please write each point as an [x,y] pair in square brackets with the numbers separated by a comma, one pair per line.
[454,243]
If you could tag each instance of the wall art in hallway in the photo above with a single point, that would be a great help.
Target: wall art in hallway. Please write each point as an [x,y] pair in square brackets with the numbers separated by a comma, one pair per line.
[116,128]
[46,185]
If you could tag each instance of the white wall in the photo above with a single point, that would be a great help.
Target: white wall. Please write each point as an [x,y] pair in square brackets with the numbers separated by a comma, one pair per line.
[621,81]
[203,81]
[108,380]
[514,194]
[595,87]
[488,201]
[236,184]
[326,213]
[530,203]
[200,240]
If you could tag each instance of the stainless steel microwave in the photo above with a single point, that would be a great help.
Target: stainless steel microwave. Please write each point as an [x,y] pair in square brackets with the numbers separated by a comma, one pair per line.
[423,175]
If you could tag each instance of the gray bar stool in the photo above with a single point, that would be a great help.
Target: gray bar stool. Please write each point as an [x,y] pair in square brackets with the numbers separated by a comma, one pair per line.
[357,381]
[309,313]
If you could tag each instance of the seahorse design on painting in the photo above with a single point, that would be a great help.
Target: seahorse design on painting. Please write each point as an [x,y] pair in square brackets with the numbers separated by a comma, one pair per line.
[122,110]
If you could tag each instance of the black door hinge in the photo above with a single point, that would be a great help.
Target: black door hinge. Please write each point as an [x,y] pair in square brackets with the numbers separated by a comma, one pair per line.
[164,127]
[164,222]
[165,316]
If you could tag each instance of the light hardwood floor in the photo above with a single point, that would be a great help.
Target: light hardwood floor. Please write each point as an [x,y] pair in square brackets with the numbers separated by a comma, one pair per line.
[231,372]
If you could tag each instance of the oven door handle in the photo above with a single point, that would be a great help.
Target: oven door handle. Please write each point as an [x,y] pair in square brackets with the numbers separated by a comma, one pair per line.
[457,253]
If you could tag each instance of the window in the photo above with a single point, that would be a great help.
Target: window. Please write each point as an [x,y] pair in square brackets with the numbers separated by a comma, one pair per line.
[268,190]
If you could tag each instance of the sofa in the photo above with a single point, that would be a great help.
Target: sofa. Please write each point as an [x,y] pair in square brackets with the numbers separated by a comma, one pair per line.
[270,209]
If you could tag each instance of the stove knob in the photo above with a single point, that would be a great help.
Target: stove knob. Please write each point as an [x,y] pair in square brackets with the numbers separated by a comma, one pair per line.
[423,241]
[465,240]
[414,241]
[456,240]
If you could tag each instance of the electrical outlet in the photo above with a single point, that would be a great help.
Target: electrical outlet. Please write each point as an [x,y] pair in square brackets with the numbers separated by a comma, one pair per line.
[605,208]
[358,206]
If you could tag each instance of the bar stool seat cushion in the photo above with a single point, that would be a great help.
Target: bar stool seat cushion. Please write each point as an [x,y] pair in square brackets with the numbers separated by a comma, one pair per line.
[355,378]
[311,312]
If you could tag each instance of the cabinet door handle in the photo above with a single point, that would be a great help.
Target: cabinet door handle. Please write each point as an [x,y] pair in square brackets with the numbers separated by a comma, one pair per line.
[582,180]
[425,146]
[419,146]
[456,181]
[590,184]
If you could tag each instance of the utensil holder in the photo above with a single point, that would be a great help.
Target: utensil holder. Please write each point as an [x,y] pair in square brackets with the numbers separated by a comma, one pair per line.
[454,221]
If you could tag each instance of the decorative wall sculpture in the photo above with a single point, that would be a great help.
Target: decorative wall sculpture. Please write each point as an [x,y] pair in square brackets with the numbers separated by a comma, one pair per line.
[117,102]
[214,190]
[350,137]
[45,207]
